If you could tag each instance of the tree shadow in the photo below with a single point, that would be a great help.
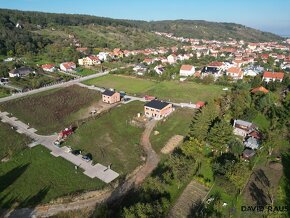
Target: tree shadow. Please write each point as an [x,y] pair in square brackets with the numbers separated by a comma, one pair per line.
[257,195]
[262,178]
[286,170]
[10,177]
[26,207]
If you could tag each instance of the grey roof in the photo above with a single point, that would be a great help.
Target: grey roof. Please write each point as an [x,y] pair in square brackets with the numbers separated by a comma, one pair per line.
[22,70]
[212,70]
[243,123]
[157,104]
[252,143]
[108,92]
[249,152]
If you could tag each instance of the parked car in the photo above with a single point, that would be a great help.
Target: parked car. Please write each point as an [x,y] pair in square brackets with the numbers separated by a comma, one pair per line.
[76,152]
[87,157]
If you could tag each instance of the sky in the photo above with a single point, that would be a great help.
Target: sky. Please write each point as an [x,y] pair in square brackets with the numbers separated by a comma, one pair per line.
[267,15]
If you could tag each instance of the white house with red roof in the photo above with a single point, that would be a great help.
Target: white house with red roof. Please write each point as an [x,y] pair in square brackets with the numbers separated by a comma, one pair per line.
[67,66]
[89,61]
[48,67]
[187,70]
[273,76]
[235,73]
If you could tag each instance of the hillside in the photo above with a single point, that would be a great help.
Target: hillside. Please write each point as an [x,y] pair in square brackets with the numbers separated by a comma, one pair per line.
[30,32]
[36,30]
[207,30]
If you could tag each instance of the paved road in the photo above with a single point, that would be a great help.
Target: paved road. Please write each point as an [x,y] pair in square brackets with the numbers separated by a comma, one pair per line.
[93,171]
[59,85]
[105,196]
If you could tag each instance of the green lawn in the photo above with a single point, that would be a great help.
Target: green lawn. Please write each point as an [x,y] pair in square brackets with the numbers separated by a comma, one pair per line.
[176,124]
[86,72]
[121,83]
[35,176]
[52,111]
[167,90]
[11,141]
[4,92]
[262,122]
[111,139]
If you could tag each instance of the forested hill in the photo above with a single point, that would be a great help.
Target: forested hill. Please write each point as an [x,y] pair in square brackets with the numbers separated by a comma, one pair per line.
[23,31]
[208,30]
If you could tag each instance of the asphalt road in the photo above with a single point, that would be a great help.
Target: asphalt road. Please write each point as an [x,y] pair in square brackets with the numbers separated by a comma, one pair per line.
[58,85]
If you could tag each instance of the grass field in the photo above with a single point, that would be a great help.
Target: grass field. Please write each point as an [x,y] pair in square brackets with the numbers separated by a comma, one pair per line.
[86,72]
[11,141]
[35,176]
[111,139]
[167,90]
[52,110]
[121,83]
[4,92]
[176,124]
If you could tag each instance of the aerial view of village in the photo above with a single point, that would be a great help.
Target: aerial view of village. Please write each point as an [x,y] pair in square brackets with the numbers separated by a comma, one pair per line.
[143,109]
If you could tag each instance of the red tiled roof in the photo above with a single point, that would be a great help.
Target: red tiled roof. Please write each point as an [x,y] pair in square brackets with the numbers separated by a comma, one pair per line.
[186,67]
[94,58]
[273,75]
[216,64]
[260,89]
[69,65]
[47,66]
[235,70]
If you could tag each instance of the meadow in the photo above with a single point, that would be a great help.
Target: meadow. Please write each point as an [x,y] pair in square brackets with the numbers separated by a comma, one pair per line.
[34,176]
[174,91]
[111,139]
[53,110]
[11,141]
[176,124]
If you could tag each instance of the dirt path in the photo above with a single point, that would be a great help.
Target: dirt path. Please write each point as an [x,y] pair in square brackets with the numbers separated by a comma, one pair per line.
[192,195]
[89,200]
[172,143]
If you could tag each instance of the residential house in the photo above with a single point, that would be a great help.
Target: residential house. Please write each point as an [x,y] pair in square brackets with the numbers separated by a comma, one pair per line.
[89,61]
[252,143]
[235,73]
[148,61]
[159,69]
[20,72]
[187,70]
[171,59]
[67,66]
[117,52]
[248,153]
[215,69]
[48,67]
[157,109]
[243,128]
[273,76]
[3,81]
[111,97]
[140,68]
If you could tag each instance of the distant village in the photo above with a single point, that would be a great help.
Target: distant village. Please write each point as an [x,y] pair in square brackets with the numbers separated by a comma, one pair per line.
[241,59]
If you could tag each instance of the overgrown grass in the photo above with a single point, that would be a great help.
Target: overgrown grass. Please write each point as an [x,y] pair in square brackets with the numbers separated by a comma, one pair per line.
[167,90]
[52,110]
[176,124]
[35,176]
[111,139]
[11,141]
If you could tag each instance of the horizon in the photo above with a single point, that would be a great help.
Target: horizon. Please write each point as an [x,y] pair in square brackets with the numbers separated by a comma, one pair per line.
[270,17]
